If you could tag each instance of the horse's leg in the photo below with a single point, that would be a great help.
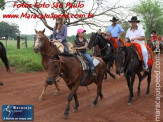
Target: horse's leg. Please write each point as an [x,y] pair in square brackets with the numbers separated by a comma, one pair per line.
[108,69]
[149,81]
[105,76]
[76,102]
[131,89]
[99,93]
[69,98]
[42,96]
[140,79]
[57,88]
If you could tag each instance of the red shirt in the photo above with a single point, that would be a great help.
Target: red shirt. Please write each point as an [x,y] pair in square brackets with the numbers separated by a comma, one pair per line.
[154,37]
[160,39]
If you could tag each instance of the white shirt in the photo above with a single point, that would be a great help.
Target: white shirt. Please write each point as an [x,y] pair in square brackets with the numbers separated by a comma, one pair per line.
[139,32]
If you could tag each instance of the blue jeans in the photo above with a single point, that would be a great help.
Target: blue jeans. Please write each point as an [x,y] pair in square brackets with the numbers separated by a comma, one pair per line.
[90,60]
[119,43]
[65,44]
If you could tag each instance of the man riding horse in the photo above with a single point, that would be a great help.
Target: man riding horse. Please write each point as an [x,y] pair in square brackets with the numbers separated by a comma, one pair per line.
[136,34]
[115,30]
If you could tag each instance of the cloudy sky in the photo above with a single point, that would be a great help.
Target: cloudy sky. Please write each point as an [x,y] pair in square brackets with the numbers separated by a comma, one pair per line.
[27,26]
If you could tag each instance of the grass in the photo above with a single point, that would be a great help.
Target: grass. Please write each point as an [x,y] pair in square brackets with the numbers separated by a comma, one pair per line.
[24,60]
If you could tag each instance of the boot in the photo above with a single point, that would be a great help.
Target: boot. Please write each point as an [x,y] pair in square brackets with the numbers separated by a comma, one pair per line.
[93,72]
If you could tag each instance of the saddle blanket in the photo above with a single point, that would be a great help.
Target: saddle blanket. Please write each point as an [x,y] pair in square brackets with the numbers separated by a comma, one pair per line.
[84,63]
[139,50]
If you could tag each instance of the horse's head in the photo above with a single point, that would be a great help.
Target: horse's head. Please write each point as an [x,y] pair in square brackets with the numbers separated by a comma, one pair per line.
[39,40]
[120,59]
[53,69]
[93,40]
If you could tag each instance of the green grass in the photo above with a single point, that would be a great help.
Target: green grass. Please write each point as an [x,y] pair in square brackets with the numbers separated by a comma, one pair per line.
[24,60]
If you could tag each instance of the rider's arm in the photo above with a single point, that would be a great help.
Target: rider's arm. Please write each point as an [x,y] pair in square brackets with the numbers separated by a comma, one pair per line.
[83,47]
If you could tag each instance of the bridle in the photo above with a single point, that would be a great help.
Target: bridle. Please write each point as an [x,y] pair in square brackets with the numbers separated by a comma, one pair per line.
[49,50]
[96,41]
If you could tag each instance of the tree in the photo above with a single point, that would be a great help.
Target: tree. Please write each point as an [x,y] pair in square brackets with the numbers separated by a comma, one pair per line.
[9,30]
[151,12]
[2,4]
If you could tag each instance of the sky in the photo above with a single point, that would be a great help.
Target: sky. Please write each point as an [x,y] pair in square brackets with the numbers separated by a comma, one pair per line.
[27,26]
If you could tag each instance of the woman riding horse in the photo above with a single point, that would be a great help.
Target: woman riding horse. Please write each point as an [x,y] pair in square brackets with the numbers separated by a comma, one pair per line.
[81,45]
[60,33]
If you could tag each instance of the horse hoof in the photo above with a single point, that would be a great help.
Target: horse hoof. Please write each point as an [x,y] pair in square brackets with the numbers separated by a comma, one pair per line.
[138,94]
[146,95]
[104,80]
[75,110]
[93,106]
[41,98]
[128,104]
[1,83]
[56,93]
[65,117]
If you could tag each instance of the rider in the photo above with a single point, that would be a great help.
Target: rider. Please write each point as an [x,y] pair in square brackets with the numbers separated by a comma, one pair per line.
[60,33]
[115,30]
[81,44]
[136,34]
[153,37]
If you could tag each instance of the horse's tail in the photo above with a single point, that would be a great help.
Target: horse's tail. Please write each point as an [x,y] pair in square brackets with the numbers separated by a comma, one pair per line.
[4,57]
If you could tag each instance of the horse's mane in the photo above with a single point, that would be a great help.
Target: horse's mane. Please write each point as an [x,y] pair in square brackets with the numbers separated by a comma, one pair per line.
[106,41]
[67,55]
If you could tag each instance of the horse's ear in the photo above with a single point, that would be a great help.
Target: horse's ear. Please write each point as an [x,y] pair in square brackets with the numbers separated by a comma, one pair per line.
[36,31]
[43,31]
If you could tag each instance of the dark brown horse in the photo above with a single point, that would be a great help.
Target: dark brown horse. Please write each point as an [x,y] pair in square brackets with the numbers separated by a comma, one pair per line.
[3,57]
[74,76]
[106,49]
[127,61]
[47,49]
[151,45]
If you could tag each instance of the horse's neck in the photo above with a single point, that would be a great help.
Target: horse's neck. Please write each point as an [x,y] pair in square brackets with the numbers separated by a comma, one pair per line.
[48,50]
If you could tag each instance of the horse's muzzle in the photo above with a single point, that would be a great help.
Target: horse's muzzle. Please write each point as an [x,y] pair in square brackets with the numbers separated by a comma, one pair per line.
[50,80]
[36,50]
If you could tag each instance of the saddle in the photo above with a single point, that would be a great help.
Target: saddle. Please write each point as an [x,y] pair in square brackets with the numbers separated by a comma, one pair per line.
[60,47]
[85,63]
[115,42]
[138,50]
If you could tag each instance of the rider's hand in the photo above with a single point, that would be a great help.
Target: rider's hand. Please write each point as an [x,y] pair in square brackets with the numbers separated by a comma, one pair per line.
[126,40]
[133,39]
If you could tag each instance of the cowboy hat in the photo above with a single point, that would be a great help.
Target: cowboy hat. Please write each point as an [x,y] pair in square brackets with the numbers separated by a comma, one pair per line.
[134,19]
[114,19]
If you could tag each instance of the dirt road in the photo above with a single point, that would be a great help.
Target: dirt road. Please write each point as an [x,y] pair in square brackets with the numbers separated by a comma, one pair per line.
[25,88]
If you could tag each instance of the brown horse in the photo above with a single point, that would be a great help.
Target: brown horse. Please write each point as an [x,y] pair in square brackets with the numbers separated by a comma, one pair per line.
[47,49]
[4,58]
[151,45]
[74,76]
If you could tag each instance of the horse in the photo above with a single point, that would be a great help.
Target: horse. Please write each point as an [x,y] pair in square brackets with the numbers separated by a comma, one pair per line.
[46,49]
[74,76]
[106,49]
[4,58]
[151,45]
[127,61]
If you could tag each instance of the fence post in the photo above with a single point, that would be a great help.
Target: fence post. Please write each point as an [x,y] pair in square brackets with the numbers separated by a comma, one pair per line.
[18,42]
[26,42]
